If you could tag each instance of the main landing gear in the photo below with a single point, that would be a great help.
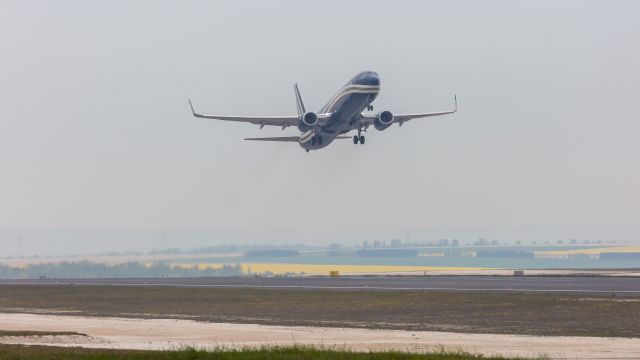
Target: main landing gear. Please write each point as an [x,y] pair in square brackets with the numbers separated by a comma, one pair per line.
[358,138]
[316,140]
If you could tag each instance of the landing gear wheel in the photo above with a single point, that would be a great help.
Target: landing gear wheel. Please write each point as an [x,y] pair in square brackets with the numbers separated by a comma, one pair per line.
[362,140]
[355,139]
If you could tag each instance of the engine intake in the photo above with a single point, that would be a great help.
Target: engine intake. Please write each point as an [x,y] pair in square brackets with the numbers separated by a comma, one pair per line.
[383,120]
[308,121]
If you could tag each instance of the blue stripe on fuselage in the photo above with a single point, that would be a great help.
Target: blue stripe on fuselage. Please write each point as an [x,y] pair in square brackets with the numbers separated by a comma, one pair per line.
[346,113]
[345,108]
[351,100]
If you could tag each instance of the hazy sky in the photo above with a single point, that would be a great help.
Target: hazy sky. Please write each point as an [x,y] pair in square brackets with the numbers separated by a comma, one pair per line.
[96,133]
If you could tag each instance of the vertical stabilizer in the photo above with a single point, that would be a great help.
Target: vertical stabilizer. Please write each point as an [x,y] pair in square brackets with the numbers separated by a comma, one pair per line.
[299,102]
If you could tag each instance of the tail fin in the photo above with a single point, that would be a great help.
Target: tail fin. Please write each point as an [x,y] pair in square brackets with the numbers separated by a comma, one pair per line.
[299,103]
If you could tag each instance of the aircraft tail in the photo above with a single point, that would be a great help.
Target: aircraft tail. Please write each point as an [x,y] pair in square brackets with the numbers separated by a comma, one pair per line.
[299,103]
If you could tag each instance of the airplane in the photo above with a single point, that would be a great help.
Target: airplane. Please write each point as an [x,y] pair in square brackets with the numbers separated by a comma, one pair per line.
[341,115]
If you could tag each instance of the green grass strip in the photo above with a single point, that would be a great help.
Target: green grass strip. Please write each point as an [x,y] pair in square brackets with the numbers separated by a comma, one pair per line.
[20,352]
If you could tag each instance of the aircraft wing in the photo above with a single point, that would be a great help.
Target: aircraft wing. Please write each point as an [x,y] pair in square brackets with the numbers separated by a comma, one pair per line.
[277,138]
[282,121]
[400,119]
[287,138]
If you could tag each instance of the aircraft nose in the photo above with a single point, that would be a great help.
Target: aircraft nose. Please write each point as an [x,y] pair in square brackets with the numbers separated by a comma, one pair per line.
[369,78]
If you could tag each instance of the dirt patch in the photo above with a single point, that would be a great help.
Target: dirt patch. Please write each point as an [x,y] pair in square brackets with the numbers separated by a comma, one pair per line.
[54,340]
[31,333]
[150,334]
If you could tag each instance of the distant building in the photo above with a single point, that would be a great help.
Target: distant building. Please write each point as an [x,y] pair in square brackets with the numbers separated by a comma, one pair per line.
[386,253]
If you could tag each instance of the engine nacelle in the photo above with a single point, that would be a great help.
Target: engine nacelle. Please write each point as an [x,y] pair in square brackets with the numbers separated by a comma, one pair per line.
[308,121]
[383,120]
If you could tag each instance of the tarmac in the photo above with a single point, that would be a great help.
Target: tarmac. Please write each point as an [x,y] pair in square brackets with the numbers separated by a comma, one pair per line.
[623,286]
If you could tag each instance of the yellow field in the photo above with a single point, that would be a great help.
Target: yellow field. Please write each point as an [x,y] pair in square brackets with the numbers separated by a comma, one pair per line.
[279,268]
[596,251]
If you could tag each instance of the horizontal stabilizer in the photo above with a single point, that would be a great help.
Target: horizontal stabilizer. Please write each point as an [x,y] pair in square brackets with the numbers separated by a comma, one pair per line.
[277,138]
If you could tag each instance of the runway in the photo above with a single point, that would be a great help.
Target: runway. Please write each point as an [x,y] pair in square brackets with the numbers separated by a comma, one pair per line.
[629,286]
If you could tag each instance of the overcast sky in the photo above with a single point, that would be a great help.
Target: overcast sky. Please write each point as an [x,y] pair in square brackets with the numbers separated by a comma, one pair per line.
[96,133]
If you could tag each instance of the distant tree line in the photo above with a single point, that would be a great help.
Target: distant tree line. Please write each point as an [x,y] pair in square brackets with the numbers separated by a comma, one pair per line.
[620,256]
[505,254]
[272,253]
[201,250]
[86,269]
[386,253]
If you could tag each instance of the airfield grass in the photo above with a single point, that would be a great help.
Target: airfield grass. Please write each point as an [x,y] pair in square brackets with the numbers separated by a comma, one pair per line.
[548,314]
[20,352]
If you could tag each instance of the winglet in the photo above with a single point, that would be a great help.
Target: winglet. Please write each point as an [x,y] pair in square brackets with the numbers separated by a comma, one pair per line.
[192,110]
[455,102]
[299,103]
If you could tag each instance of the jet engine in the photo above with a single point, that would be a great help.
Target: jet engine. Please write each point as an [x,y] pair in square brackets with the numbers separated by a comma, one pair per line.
[308,121]
[383,120]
